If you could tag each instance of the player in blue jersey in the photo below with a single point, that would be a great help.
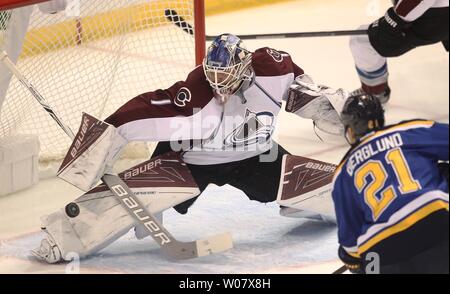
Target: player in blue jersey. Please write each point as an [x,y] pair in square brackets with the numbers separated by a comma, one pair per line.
[391,197]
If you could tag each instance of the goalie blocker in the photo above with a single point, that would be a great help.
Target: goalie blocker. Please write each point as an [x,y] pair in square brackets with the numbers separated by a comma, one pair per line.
[93,152]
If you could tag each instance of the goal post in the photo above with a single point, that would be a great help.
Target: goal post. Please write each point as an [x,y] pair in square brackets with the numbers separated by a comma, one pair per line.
[11,4]
[199,31]
[91,56]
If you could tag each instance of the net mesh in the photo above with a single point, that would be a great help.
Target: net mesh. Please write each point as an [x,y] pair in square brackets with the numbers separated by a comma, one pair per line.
[92,57]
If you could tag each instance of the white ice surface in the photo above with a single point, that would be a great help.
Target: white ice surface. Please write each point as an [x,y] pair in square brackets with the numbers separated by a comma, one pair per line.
[264,241]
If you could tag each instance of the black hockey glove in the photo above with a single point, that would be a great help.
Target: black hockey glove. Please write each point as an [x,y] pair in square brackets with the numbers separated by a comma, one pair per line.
[389,34]
[353,264]
[391,26]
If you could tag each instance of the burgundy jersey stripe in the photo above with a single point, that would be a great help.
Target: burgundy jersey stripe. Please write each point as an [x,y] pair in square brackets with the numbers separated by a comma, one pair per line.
[268,62]
[406,6]
[181,99]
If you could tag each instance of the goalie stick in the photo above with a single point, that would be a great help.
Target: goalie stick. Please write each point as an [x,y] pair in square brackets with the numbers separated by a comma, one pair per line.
[340,270]
[171,247]
[173,16]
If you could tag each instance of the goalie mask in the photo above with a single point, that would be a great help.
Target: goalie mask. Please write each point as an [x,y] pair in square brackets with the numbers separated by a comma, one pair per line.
[361,115]
[227,66]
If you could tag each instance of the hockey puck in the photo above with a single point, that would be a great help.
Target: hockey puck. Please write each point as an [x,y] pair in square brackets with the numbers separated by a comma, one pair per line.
[72,210]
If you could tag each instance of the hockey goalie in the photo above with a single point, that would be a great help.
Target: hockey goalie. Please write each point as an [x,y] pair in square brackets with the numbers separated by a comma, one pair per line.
[216,127]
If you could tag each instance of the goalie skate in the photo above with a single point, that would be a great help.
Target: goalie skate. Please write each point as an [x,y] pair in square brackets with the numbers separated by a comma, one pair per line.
[48,251]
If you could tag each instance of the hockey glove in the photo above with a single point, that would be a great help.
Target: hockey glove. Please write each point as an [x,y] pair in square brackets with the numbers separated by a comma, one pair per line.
[391,26]
[317,102]
[389,34]
[94,150]
[353,264]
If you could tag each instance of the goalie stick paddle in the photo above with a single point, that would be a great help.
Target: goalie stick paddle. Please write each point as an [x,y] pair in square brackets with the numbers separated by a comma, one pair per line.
[171,247]
[173,16]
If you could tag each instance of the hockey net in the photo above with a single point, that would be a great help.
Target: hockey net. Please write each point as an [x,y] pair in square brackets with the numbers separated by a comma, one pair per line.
[91,57]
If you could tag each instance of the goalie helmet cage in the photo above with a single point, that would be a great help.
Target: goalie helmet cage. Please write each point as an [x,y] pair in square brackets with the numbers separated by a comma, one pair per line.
[91,56]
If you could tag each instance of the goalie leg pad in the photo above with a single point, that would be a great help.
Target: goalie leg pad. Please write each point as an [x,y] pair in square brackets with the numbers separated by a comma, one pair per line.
[93,152]
[97,219]
[305,186]
[48,251]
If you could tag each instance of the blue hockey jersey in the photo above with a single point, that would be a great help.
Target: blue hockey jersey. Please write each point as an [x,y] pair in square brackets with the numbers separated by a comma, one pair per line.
[390,182]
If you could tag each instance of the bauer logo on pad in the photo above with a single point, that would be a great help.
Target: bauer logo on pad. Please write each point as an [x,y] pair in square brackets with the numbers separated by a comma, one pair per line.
[304,177]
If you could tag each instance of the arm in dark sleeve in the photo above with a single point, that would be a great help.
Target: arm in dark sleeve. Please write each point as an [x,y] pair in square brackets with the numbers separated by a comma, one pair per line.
[348,214]
[187,110]
[432,141]
[439,137]
[270,62]
[410,10]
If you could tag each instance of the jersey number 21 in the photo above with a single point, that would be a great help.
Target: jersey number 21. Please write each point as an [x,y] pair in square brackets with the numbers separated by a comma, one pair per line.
[377,171]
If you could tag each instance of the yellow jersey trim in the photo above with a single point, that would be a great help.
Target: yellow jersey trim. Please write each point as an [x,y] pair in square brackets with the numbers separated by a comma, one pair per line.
[408,222]
[408,125]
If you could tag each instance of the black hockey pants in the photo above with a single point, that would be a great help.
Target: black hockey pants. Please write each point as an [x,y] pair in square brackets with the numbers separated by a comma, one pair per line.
[258,180]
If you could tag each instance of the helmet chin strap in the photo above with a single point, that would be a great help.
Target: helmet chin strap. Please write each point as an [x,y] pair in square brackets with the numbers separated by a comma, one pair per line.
[247,81]
[222,98]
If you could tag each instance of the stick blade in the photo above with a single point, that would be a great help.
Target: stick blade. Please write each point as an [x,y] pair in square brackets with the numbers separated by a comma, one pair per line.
[199,248]
[215,244]
[170,13]
[173,16]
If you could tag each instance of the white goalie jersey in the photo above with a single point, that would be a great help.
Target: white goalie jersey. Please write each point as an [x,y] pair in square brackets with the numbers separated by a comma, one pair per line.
[239,129]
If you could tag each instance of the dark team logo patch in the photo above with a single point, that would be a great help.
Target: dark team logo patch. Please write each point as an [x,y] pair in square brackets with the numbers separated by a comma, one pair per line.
[184,96]
[277,56]
[256,129]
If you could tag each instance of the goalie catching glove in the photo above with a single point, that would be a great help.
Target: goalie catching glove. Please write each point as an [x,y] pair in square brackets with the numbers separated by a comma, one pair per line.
[317,102]
[94,151]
